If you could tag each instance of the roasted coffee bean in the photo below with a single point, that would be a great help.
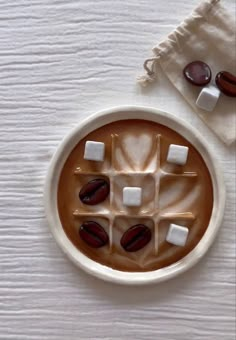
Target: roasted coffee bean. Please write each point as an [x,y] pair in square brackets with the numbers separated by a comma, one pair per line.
[136,237]
[197,73]
[226,82]
[93,234]
[94,192]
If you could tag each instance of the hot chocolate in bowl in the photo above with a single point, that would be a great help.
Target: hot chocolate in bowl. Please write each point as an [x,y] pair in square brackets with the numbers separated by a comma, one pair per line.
[180,205]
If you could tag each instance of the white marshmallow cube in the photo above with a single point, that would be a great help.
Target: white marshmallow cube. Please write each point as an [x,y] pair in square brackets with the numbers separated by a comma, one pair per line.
[177,235]
[177,154]
[132,196]
[94,151]
[208,98]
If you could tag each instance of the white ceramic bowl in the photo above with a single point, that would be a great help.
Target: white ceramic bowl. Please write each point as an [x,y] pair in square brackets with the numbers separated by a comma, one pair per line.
[51,186]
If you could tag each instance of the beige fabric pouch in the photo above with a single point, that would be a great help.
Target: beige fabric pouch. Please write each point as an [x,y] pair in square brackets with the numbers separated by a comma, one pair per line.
[208,34]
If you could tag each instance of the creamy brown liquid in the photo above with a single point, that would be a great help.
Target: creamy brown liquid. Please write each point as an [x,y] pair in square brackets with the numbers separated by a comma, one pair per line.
[135,155]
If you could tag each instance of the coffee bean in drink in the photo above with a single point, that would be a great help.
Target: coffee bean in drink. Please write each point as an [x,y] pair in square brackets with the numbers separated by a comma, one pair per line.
[94,192]
[93,234]
[136,237]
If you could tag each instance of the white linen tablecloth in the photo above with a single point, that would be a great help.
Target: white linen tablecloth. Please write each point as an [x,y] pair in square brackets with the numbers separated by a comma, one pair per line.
[61,60]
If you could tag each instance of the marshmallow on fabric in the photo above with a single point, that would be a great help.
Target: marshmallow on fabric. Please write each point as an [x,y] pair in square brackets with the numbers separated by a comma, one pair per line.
[208,98]
[94,151]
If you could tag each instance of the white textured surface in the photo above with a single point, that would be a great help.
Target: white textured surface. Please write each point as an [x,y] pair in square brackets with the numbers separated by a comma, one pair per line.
[61,60]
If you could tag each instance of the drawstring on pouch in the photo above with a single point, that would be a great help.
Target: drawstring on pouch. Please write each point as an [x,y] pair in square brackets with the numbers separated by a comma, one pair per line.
[150,76]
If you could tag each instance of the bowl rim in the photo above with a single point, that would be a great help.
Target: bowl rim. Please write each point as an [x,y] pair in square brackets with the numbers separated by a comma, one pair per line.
[105,117]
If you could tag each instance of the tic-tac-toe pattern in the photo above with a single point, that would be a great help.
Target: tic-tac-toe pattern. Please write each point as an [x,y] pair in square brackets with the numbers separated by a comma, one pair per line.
[152,175]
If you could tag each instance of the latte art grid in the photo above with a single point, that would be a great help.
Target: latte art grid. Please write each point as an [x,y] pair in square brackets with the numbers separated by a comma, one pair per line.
[155,215]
